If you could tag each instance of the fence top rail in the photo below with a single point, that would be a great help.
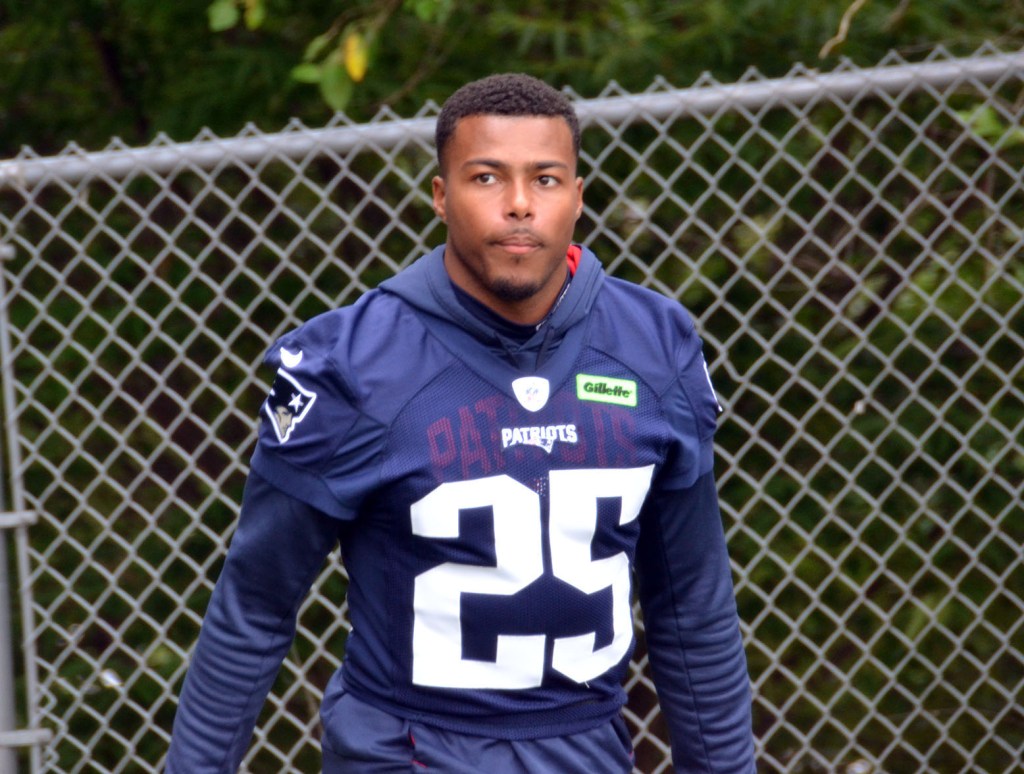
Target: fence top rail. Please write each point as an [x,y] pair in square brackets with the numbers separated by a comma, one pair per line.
[797,88]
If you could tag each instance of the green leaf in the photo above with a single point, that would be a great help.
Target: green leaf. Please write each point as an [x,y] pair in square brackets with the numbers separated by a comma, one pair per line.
[307,72]
[335,86]
[317,46]
[223,15]
[255,13]
[424,9]
[984,121]
[429,11]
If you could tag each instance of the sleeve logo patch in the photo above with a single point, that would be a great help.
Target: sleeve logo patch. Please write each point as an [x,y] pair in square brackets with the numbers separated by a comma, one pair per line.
[605,389]
[287,405]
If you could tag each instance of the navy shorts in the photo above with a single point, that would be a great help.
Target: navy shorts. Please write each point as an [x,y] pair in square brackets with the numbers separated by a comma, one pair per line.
[361,739]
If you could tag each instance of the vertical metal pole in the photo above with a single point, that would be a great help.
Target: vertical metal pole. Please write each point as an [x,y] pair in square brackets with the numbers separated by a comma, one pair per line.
[8,715]
[8,711]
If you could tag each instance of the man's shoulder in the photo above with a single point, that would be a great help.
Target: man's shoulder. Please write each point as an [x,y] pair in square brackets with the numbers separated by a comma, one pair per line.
[373,308]
[642,300]
[377,342]
[364,329]
[642,321]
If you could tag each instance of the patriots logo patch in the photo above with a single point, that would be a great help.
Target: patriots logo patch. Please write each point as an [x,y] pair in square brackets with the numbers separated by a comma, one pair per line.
[287,405]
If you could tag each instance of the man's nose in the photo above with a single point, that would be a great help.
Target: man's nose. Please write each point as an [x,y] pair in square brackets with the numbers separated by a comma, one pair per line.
[520,201]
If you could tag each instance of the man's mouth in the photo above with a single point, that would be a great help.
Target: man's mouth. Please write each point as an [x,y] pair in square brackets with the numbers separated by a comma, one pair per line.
[518,244]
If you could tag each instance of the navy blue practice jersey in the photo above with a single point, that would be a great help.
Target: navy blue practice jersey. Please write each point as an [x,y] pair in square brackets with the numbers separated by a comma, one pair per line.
[495,500]
[494,508]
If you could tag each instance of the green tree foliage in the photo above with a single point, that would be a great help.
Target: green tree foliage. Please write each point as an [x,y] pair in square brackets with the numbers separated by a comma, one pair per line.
[89,70]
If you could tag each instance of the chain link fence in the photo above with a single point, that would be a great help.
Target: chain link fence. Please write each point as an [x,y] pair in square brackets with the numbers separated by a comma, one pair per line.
[851,245]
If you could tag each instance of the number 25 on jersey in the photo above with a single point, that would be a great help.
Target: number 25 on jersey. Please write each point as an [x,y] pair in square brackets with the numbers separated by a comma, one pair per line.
[437,625]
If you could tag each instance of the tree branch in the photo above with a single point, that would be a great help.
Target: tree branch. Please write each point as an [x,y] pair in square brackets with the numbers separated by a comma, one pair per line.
[844,28]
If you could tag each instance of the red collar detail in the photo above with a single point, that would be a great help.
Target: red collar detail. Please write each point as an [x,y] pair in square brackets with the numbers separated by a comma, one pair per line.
[572,257]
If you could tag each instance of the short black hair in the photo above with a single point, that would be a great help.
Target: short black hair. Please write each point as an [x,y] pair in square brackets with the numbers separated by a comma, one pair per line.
[507,94]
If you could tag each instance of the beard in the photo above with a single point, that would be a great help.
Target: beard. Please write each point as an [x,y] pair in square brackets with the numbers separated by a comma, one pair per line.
[510,291]
[505,280]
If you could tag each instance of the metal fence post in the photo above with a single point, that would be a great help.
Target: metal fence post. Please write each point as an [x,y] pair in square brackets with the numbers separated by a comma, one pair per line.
[15,522]
[8,713]
[8,722]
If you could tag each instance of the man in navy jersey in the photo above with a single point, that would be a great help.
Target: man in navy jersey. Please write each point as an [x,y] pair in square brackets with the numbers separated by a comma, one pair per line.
[503,439]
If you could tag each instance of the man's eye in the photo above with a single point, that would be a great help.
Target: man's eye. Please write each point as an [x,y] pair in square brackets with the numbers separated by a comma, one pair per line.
[547,181]
[486,178]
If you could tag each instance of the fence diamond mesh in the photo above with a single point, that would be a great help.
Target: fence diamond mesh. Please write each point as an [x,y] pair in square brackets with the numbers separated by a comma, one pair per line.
[851,245]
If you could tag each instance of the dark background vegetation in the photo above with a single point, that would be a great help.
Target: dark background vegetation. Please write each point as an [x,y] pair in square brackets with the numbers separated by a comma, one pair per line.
[84,71]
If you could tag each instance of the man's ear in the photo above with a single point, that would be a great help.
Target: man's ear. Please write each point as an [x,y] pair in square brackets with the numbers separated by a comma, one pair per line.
[438,186]
[579,196]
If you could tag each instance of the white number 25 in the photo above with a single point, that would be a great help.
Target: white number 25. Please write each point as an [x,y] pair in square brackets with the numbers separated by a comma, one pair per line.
[437,626]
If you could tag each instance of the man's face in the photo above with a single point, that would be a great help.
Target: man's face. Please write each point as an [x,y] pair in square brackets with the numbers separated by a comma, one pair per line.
[510,197]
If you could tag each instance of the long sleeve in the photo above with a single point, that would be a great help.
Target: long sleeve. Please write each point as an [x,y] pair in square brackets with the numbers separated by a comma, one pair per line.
[692,629]
[275,554]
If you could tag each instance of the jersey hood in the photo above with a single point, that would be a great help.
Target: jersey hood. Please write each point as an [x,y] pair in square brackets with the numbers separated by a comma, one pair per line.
[427,288]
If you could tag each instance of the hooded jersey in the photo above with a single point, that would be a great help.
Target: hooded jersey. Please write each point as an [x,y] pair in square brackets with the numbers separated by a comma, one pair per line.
[493,499]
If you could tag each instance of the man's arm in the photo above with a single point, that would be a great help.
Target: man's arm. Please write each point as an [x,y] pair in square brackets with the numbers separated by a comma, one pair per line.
[692,630]
[276,552]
